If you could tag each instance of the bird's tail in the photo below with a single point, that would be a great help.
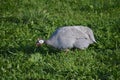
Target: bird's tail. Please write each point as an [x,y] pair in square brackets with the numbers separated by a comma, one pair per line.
[91,36]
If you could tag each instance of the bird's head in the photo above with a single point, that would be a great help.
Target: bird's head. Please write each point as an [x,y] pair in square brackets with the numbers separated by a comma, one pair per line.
[39,42]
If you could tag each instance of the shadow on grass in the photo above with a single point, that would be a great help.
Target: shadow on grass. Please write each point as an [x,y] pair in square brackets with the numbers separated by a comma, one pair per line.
[29,49]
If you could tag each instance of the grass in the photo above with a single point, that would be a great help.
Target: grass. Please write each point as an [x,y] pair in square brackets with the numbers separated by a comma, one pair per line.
[22,22]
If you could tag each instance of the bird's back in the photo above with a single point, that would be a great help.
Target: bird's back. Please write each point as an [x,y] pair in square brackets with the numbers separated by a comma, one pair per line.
[69,31]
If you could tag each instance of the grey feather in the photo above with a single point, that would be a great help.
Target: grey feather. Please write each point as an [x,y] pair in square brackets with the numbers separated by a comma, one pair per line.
[71,36]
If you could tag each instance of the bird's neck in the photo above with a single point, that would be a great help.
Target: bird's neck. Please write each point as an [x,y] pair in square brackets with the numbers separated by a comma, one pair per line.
[47,42]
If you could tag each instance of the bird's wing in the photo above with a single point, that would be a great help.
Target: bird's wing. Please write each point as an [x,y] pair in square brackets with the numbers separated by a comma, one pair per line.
[80,33]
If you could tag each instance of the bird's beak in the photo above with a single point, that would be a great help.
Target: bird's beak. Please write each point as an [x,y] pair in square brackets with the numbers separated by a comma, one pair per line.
[38,44]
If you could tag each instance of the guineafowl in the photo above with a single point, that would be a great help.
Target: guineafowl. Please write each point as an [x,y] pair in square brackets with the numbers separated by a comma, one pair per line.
[68,37]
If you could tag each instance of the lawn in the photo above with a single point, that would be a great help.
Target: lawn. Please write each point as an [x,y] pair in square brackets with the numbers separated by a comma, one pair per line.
[23,21]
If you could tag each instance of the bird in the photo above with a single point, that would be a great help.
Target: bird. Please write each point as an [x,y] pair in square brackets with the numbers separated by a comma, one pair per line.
[68,37]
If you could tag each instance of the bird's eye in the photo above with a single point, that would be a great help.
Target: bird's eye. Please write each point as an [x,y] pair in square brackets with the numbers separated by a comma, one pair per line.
[41,41]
